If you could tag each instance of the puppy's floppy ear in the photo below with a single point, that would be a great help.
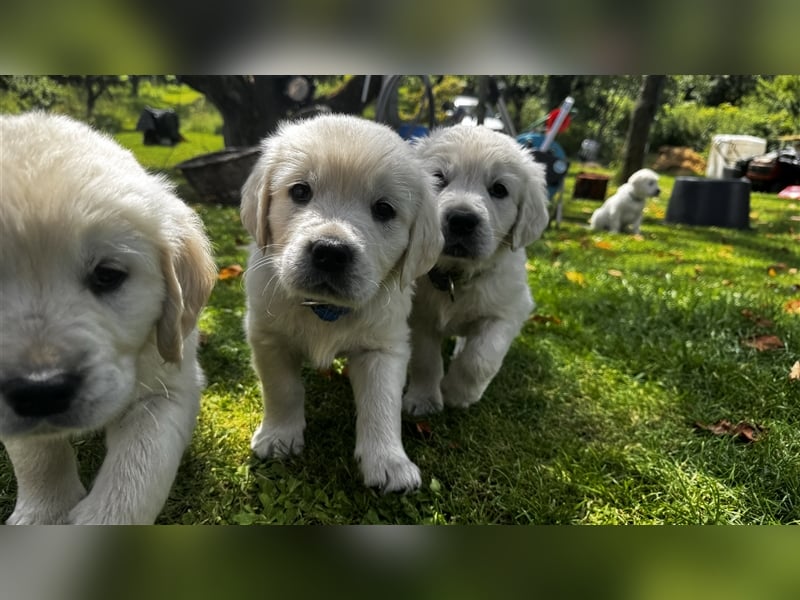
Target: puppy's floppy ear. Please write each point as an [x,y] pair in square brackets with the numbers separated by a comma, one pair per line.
[189,274]
[256,197]
[532,215]
[425,241]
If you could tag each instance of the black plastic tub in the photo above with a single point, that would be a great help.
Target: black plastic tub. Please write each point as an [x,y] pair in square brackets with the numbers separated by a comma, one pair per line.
[710,202]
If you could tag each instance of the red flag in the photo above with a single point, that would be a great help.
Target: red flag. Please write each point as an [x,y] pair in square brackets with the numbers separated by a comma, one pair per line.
[551,118]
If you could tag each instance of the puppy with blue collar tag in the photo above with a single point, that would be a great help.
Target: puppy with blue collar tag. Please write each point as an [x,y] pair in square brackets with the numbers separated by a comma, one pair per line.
[492,203]
[344,220]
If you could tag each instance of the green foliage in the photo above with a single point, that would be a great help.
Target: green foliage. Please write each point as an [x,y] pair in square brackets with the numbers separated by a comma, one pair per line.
[25,92]
[118,108]
[781,93]
[689,124]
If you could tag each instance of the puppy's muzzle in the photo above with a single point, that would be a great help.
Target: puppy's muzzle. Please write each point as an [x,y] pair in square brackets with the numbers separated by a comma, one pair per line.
[41,394]
[460,229]
[330,255]
[461,223]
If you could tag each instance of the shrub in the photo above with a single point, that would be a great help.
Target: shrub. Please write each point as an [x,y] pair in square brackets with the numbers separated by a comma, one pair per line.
[689,124]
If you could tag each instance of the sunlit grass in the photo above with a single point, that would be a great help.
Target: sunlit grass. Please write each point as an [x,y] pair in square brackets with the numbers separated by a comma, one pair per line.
[591,419]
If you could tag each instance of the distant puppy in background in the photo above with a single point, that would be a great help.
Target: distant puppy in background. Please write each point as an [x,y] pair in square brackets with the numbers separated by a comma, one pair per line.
[344,220]
[624,208]
[103,273]
[492,202]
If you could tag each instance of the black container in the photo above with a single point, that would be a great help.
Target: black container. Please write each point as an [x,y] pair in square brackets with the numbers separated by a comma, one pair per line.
[710,202]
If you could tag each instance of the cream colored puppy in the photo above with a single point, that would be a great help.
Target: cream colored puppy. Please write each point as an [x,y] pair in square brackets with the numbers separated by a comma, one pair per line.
[103,272]
[492,203]
[344,220]
[625,208]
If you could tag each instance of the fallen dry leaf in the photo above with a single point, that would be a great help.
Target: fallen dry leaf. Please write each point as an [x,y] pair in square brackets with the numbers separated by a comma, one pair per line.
[422,429]
[741,432]
[771,272]
[762,343]
[604,245]
[537,318]
[760,321]
[230,272]
[777,267]
[615,273]
[794,373]
[575,277]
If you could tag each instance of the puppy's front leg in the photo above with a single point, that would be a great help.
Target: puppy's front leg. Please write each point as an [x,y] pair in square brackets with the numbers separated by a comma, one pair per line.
[47,480]
[615,222]
[637,224]
[280,433]
[145,446]
[423,395]
[479,359]
[377,378]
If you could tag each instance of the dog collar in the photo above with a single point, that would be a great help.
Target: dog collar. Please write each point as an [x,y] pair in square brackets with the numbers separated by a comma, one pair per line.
[326,312]
[443,281]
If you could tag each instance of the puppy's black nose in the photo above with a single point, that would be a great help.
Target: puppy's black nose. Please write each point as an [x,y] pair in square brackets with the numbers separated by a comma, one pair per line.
[41,394]
[330,255]
[462,222]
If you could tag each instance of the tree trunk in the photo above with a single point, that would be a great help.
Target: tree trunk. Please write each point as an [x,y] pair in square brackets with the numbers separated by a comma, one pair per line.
[639,129]
[483,98]
[558,87]
[252,106]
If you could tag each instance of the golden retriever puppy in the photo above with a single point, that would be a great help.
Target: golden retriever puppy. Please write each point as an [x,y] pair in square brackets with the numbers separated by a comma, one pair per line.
[492,203]
[103,272]
[344,220]
[625,208]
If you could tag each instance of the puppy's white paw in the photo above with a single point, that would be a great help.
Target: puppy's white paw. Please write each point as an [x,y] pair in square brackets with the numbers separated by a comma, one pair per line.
[88,512]
[277,442]
[53,510]
[393,473]
[457,395]
[32,517]
[418,403]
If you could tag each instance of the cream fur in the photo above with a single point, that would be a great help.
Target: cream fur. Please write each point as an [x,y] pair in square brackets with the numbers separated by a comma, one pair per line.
[490,284]
[74,204]
[625,208]
[350,165]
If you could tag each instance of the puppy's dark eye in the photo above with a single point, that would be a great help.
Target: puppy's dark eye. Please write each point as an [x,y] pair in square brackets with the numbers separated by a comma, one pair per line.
[498,190]
[441,180]
[105,279]
[383,211]
[300,192]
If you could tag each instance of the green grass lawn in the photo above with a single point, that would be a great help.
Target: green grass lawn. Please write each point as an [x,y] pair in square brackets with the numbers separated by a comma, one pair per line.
[591,420]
